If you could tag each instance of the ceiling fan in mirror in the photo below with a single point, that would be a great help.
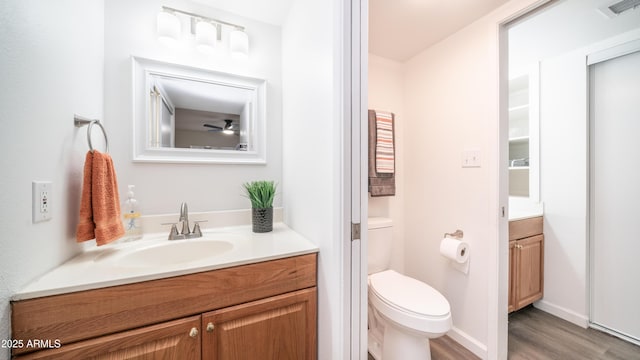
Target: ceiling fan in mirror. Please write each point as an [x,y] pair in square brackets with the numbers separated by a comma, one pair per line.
[228,128]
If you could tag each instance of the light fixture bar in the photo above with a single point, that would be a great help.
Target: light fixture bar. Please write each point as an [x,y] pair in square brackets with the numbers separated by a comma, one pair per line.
[170,9]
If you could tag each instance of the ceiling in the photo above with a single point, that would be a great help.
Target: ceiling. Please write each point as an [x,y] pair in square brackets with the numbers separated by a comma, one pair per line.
[398,29]
[270,11]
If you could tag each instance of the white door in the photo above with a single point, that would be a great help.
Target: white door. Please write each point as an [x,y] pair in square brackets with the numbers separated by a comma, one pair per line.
[615,195]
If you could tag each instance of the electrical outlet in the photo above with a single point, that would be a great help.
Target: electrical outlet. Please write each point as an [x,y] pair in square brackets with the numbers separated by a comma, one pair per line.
[41,198]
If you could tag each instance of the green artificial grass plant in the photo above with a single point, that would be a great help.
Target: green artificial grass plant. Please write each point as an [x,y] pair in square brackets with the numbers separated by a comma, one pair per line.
[261,193]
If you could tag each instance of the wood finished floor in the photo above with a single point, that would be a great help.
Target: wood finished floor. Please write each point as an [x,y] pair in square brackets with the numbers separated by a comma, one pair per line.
[445,348]
[537,335]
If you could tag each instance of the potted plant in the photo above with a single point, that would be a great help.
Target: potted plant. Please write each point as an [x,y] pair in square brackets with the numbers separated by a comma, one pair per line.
[261,194]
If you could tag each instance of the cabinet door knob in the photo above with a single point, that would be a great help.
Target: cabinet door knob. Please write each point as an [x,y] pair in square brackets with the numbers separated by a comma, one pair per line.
[210,327]
[193,333]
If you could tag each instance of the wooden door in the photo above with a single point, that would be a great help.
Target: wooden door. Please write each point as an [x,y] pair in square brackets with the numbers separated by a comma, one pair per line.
[179,339]
[279,328]
[530,269]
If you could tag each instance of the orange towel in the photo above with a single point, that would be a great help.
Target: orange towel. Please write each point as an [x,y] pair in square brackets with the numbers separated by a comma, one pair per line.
[100,202]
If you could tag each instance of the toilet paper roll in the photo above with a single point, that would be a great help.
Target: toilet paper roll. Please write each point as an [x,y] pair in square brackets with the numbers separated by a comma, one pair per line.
[455,250]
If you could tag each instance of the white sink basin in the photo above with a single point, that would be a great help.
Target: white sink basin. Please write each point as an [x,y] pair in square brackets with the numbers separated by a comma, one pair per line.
[174,252]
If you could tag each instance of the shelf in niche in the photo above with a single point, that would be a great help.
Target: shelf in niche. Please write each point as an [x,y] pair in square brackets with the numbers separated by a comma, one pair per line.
[519,113]
[518,168]
[519,108]
[519,139]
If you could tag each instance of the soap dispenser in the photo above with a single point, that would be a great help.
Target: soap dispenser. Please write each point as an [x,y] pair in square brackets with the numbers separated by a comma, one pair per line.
[131,217]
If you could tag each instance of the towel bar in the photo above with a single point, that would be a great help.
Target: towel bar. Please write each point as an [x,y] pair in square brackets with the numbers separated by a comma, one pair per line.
[79,121]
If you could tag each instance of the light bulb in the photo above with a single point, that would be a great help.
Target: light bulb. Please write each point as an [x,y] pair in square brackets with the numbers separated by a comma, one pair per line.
[206,36]
[168,27]
[239,44]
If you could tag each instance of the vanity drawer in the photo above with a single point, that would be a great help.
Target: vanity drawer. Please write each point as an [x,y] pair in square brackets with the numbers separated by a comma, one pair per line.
[520,229]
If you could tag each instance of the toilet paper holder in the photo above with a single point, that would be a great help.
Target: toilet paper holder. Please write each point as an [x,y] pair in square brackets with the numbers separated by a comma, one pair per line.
[458,234]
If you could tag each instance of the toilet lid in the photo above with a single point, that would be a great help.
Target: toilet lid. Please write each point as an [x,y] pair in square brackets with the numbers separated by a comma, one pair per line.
[408,294]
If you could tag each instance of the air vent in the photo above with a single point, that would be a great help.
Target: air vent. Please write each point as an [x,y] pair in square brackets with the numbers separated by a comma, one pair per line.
[623,6]
[619,7]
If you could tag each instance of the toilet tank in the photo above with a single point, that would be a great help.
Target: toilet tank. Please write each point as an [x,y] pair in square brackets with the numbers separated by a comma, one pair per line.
[380,231]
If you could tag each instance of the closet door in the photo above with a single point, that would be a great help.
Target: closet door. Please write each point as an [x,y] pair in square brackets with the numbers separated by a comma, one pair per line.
[615,194]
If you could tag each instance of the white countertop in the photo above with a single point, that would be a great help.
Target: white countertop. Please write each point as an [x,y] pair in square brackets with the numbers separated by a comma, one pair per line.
[522,208]
[100,267]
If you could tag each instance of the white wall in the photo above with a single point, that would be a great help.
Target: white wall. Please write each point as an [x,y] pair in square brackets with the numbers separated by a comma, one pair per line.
[386,93]
[563,135]
[452,103]
[447,111]
[130,29]
[51,66]
[312,148]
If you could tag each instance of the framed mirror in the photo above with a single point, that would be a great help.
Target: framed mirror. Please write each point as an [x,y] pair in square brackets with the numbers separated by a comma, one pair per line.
[193,115]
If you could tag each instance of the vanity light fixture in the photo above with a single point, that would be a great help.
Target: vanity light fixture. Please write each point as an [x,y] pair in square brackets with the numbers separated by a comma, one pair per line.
[207,31]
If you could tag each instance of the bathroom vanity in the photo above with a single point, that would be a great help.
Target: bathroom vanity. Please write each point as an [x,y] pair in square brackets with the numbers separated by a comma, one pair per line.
[526,262]
[263,308]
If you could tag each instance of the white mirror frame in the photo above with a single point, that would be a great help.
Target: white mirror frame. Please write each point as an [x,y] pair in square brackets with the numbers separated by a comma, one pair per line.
[143,69]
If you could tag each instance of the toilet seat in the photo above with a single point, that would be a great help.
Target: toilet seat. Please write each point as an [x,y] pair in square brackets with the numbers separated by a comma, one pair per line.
[409,302]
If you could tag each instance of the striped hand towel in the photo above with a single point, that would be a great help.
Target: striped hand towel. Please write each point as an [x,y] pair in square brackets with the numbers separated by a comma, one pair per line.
[385,159]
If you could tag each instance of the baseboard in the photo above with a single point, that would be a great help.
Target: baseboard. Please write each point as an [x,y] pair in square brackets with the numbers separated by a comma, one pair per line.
[563,313]
[466,340]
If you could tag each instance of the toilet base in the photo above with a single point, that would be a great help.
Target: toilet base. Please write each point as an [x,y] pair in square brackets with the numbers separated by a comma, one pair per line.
[374,344]
[402,345]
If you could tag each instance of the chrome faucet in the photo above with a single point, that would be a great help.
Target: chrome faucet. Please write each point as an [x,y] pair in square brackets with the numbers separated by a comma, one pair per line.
[184,219]
[186,233]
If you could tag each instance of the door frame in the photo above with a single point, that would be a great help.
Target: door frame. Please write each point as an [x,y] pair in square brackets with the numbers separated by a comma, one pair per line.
[356,13]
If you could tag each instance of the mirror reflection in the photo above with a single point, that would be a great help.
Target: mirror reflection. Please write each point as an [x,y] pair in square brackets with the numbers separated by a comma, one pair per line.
[185,114]
[198,115]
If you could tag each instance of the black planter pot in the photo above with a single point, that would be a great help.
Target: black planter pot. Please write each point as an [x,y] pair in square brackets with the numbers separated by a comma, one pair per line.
[262,220]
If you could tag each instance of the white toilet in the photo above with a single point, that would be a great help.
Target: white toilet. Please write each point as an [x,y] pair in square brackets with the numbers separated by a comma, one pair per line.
[403,313]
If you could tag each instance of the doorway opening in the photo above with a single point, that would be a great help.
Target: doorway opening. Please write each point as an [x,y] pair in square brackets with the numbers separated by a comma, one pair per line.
[549,164]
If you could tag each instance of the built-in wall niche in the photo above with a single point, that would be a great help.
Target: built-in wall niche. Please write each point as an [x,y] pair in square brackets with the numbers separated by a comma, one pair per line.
[524,131]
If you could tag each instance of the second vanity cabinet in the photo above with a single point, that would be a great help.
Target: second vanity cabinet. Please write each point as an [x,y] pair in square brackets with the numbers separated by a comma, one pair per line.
[526,262]
[266,310]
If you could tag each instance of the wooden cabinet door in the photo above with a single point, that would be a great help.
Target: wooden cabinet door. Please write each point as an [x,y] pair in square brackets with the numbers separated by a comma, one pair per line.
[278,328]
[530,270]
[179,340]
[512,275]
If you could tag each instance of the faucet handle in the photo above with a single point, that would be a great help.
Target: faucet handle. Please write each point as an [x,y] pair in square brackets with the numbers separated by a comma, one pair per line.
[196,228]
[173,233]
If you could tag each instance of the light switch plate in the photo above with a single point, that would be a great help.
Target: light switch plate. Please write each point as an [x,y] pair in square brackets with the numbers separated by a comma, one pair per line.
[471,158]
[41,201]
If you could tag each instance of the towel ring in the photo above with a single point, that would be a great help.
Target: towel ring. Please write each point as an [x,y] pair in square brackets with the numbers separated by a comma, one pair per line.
[79,121]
